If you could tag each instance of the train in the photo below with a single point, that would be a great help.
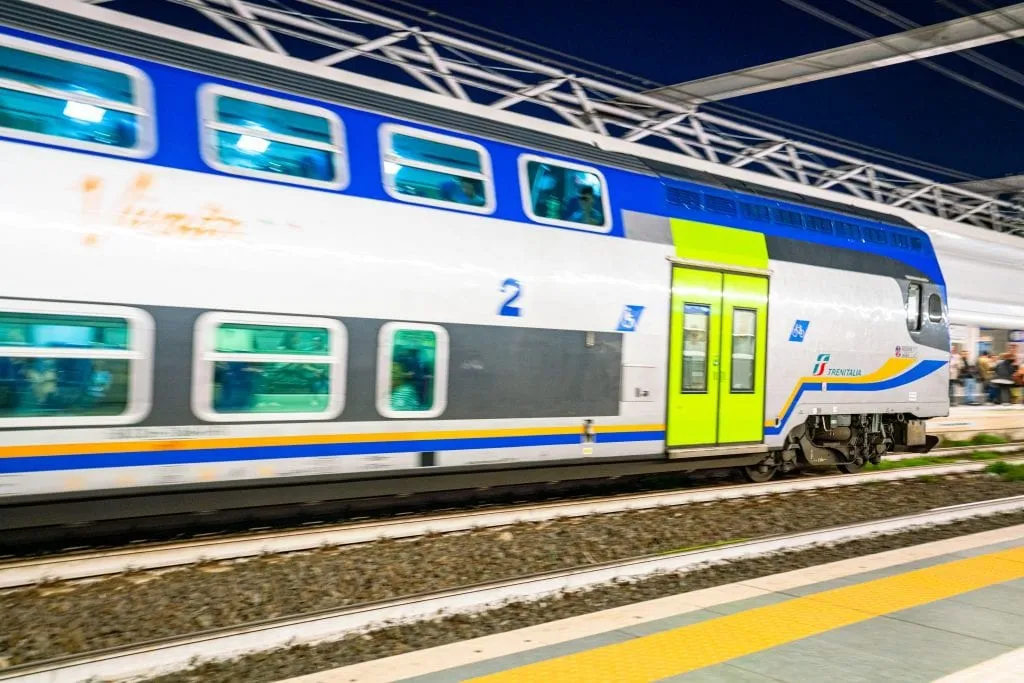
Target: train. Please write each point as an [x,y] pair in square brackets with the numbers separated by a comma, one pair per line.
[223,273]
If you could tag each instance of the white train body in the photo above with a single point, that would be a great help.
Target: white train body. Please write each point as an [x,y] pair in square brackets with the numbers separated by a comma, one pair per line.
[554,341]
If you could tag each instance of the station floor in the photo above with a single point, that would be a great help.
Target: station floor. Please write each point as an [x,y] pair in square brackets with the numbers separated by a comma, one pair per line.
[949,611]
[964,421]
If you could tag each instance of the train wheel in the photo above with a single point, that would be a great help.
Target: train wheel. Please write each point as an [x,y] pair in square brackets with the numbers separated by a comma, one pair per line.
[852,467]
[762,471]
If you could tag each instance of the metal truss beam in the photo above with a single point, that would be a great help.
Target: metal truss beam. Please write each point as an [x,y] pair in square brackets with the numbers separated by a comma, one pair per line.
[996,187]
[343,36]
[920,43]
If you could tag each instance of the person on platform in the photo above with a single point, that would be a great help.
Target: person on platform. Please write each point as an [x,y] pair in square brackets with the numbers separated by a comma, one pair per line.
[955,380]
[1005,371]
[969,375]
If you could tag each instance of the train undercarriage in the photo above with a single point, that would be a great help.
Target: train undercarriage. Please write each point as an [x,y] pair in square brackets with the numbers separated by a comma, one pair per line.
[846,442]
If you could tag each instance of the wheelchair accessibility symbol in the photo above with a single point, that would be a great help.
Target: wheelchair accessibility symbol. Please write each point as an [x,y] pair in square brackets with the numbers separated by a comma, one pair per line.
[630,318]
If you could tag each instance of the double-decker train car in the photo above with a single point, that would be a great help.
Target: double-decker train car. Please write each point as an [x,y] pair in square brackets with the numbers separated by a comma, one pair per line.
[220,272]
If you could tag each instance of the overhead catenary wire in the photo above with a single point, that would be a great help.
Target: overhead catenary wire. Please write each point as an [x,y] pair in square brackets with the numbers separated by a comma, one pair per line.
[631,80]
[725,141]
[747,116]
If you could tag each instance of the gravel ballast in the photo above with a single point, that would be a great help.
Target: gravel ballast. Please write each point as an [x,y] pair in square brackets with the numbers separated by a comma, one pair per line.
[61,619]
[276,665]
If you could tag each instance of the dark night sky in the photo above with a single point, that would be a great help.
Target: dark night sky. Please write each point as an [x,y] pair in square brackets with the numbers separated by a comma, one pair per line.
[905,109]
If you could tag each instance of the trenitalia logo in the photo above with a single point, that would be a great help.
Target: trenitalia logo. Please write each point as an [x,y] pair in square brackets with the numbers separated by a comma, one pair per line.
[821,368]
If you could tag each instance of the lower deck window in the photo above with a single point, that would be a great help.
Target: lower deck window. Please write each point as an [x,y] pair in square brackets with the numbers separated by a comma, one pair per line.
[695,348]
[58,368]
[744,350]
[412,370]
[268,368]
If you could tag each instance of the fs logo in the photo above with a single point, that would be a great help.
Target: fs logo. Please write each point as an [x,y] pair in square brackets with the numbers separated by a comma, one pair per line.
[821,368]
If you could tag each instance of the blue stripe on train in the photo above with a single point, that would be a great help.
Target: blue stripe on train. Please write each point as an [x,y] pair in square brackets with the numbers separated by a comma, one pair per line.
[922,369]
[213,455]
[178,147]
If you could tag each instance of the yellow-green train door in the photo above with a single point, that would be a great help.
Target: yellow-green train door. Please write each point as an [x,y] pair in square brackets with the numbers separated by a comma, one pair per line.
[744,335]
[694,357]
[716,358]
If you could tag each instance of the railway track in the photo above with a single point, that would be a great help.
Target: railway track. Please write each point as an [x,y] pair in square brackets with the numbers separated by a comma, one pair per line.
[88,565]
[172,654]
[60,527]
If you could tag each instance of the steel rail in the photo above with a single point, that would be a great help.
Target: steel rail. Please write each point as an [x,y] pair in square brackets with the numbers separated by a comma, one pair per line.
[173,654]
[79,566]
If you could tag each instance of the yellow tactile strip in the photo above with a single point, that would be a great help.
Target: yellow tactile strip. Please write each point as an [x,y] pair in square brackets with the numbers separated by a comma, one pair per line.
[677,651]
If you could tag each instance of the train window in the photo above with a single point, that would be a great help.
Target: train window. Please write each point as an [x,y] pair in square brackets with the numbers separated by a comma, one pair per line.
[438,170]
[934,308]
[266,137]
[847,230]
[695,348]
[412,370]
[755,212]
[744,349]
[818,224]
[74,100]
[719,204]
[564,194]
[913,307]
[787,217]
[685,198]
[268,368]
[875,235]
[68,364]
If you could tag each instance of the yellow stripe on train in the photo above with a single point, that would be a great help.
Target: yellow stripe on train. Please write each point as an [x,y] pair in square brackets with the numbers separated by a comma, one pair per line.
[890,369]
[43,450]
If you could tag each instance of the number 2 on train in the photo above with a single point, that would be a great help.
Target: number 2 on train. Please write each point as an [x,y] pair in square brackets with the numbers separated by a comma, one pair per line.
[507,308]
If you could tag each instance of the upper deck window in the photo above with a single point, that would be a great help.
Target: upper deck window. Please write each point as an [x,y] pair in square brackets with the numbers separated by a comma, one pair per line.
[900,240]
[787,217]
[754,212]
[564,194]
[438,170]
[847,230]
[875,235]
[74,100]
[818,224]
[266,137]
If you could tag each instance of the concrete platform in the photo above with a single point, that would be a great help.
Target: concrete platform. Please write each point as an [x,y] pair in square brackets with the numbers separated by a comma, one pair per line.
[951,611]
[966,421]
